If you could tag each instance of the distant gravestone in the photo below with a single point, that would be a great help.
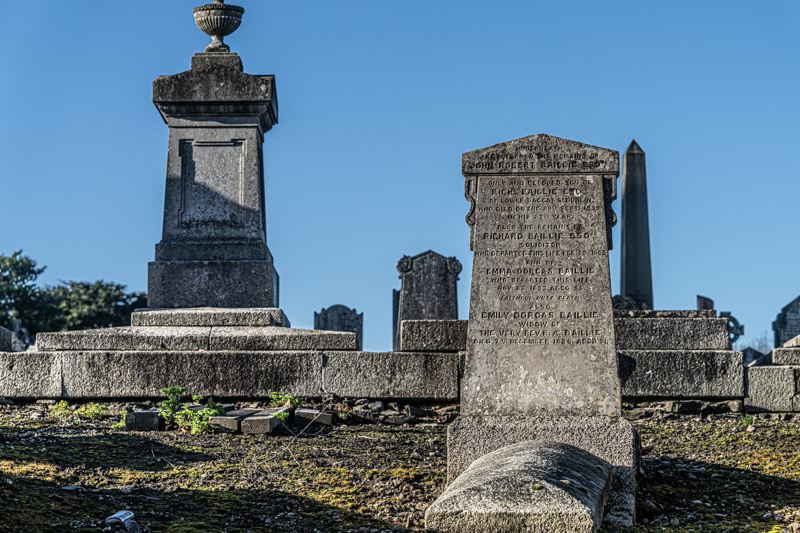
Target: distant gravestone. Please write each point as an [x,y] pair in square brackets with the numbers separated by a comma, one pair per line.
[428,290]
[787,324]
[541,361]
[340,318]
[636,277]
[704,304]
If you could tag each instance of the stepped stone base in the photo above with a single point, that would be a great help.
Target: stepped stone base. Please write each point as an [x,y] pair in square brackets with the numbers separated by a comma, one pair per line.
[210,316]
[530,486]
[681,374]
[612,439]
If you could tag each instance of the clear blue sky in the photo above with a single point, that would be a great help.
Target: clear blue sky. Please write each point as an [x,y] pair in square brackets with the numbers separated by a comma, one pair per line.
[377,102]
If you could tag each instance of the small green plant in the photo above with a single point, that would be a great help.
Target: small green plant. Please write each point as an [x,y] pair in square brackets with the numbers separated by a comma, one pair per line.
[197,420]
[171,405]
[746,421]
[61,410]
[282,416]
[91,410]
[279,400]
[121,423]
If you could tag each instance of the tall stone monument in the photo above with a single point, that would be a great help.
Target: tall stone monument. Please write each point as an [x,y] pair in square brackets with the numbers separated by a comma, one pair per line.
[428,290]
[340,318]
[637,280]
[541,361]
[213,251]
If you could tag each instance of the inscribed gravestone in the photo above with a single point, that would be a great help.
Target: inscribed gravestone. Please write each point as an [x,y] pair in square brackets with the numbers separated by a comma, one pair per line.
[541,326]
[340,318]
[541,360]
[428,290]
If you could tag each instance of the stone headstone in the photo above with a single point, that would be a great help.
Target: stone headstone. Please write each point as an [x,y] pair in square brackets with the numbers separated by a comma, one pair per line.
[341,318]
[541,360]
[428,290]
[637,280]
[6,336]
[541,327]
[704,304]
[213,251]
[787,324]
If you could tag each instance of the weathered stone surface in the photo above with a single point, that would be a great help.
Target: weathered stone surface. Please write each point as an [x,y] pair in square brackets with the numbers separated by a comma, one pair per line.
[219,374]
[770,388]
[210,316]
[646,313]
[671,333]
[185,338]
[264,421]
[433,335]
[392,375]
[305,416]
[5,339]
[277,338]
[428,290]
[212,283]
[144,421]
[539,486]
[126,339]
[341,318]
[786,326]
[710,374]
[787,356]
[609,438]
[213,250]
[231,421]
[541,330]
[30,375]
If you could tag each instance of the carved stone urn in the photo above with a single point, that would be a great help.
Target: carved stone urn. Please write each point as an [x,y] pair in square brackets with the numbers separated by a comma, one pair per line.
[218,20]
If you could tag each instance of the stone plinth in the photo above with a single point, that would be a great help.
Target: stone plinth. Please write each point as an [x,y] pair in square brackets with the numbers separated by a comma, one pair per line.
[433,335]
[213,250]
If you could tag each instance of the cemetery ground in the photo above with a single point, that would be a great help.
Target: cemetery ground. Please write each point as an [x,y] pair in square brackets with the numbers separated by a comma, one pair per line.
[719,472]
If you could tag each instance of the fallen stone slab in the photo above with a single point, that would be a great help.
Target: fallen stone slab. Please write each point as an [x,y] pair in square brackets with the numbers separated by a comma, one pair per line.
[306,416]
[433,335]
[609,438]
[265,421]
[144,421]
[671,333]
[210,316]
[681,374]
[540,486]
[231,421]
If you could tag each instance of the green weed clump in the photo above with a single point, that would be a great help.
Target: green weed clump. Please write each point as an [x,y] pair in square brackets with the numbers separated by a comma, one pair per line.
[61,410]
[92,410]
[746,421]
[279,400]
[174,412]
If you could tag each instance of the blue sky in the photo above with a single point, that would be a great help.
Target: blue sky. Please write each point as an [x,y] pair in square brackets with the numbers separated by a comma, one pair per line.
[377,102]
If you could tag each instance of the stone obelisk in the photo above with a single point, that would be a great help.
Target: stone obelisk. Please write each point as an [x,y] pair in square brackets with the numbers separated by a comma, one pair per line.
[637,280]
[213,251]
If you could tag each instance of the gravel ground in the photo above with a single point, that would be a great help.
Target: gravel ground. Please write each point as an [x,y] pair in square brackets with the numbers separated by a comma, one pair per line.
[715,472]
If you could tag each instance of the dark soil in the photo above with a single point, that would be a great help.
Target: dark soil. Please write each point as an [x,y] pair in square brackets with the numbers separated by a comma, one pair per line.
[719,474]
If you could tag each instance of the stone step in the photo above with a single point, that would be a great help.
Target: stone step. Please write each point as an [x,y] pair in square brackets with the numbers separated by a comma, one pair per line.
[529,486]
[787,355]
[210,316]
[196,338]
